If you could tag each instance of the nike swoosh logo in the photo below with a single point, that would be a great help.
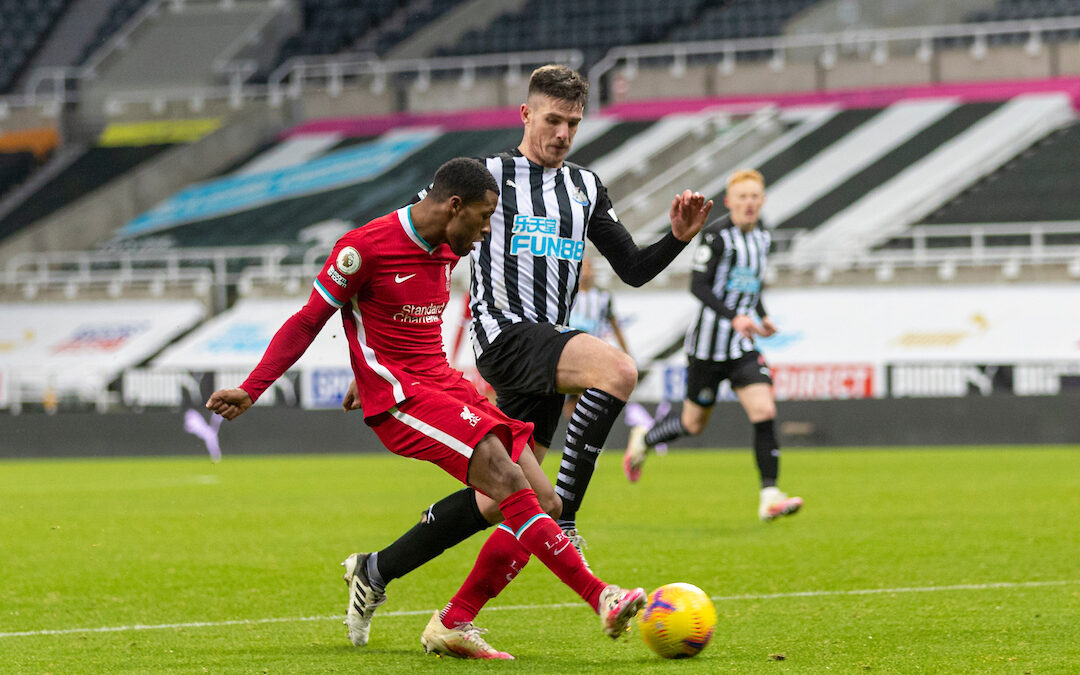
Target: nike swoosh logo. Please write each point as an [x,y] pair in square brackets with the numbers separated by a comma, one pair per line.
[398,278]
[511,183]
[560,550]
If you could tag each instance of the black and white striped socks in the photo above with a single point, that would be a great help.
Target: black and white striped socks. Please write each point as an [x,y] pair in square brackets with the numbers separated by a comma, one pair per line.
[667,429]
[586,432]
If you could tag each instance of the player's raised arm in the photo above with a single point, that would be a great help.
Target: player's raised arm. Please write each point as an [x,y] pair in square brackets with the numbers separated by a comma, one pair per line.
[637,266]
[688,214]
[288,344]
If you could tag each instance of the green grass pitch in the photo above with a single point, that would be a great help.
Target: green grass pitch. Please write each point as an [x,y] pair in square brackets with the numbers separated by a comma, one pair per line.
[903,561]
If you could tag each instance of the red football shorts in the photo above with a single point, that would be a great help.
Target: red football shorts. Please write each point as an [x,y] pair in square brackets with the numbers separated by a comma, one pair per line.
[443,426]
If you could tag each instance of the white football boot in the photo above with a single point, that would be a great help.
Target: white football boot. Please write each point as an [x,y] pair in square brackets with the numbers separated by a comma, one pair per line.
[461,642]
[363,598]
[775,504]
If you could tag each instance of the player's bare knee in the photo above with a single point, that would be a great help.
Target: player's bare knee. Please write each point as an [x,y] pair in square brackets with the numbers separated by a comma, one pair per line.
[695,419]
[762,413]
[619,375]
[694,425]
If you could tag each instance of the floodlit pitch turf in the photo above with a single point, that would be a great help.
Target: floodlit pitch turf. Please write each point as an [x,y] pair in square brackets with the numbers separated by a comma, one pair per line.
[928,560]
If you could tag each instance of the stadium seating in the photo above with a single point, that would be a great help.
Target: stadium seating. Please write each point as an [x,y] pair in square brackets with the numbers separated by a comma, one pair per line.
[1015,10]
[14,168]
[280,222]
[739,19]
[416,19]
[21,152]
[92,168]
[591,25]
[333,26]
[1038,185]
[1021,10]
[971,142]
[23,26]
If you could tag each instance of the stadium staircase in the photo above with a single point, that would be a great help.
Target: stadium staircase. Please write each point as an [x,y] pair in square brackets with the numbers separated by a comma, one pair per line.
[194,45]
[118,14]
[806,133]
[671,173]
[627,167]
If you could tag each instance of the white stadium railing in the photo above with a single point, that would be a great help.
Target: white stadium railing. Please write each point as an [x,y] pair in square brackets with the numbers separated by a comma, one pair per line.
[206,270]
[827,47]
[942,249]
[50,88]
[935,247]
[332,73]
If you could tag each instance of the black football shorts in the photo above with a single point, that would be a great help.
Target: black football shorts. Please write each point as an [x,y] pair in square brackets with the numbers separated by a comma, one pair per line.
[521,365]
[703,377]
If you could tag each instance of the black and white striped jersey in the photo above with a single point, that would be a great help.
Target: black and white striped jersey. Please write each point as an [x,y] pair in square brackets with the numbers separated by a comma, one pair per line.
[527,269]
[728,272]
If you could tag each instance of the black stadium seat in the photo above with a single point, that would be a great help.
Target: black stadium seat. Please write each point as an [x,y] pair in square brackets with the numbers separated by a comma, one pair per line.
[24,24]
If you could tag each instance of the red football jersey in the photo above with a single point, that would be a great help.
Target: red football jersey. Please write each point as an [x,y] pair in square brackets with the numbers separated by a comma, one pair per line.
[392,288]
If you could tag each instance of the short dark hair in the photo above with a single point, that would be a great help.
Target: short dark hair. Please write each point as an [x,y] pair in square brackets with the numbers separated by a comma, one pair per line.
[559,82]
[465,177]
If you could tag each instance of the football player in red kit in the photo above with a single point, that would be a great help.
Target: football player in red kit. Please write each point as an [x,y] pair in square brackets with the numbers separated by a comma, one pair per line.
[390,280]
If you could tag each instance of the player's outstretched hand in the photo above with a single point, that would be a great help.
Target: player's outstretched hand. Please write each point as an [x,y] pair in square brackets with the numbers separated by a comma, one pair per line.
[352,399]
[689,212]
[229,403]
[768,328]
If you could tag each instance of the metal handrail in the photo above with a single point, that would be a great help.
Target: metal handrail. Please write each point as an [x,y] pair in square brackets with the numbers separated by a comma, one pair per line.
[759,118]
[1037,252]
[295,70]
[828,43]
[56,266]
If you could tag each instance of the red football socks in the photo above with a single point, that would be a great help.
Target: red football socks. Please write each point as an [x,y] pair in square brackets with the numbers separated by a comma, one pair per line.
[500,560]
[502,557]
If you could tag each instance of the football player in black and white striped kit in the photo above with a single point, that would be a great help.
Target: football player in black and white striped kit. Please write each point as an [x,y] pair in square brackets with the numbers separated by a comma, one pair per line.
[728,273]
[524,280]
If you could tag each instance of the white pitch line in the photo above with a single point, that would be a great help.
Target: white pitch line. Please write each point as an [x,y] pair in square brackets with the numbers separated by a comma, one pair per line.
[560,605]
